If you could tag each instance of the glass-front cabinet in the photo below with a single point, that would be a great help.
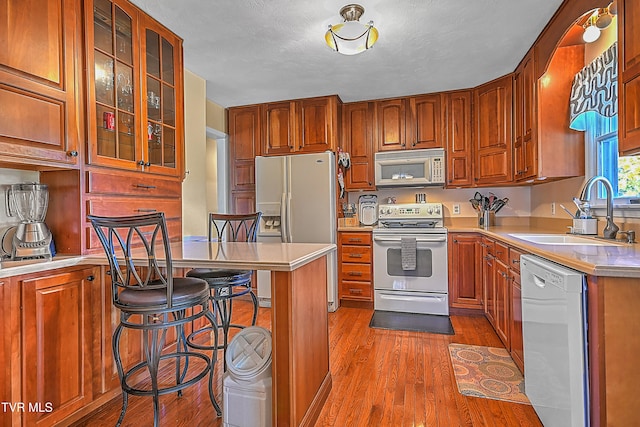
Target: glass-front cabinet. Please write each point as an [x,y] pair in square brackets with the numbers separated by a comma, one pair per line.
[135,90]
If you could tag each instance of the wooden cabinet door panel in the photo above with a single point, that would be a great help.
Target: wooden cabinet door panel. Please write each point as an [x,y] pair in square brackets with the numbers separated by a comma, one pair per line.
[493,132]
[502,322]
[279,127]
[57,338]
[39,116]
[318,124]
[243,202]
[517,346]
[245,127]
[357,136]
[629,77]
[391,123]
[489,280]
[424,125]
[465,266]
[9,350]
[459,139]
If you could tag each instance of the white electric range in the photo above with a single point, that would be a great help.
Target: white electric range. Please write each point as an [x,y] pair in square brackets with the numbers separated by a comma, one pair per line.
[410,259]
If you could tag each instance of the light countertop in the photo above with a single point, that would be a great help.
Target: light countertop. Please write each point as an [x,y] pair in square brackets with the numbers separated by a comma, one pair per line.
[202,254]
[618,260]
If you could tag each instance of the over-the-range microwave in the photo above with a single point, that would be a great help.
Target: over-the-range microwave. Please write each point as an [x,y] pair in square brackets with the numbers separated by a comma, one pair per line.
[410,168]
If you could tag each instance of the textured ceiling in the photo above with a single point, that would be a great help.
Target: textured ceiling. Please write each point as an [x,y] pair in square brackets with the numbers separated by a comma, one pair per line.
[254,51]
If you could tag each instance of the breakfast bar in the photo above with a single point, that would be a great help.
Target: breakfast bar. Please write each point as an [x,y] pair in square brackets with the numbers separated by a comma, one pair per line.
[300,332]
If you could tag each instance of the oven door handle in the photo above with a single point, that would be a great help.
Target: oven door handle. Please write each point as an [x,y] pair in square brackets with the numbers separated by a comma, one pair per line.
[418,239]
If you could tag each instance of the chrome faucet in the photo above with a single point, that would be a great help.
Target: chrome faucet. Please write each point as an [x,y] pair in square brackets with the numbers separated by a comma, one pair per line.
[610,230]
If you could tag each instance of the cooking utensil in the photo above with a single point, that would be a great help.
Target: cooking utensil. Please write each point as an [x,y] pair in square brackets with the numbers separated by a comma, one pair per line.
[567,211]
[578,203]
[500,204]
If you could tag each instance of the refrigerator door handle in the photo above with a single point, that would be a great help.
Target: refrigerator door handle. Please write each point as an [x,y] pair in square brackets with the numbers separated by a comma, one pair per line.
[289,216]
[284,219]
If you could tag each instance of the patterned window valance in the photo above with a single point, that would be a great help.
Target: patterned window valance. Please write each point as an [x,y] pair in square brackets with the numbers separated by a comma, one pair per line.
[595,89]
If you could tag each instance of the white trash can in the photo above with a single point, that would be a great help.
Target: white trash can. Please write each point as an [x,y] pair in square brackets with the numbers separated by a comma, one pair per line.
[247,383]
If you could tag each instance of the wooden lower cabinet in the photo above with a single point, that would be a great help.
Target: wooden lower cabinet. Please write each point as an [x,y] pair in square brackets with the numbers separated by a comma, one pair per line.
[465,271]
[502,294]
[57,338]
[355,274]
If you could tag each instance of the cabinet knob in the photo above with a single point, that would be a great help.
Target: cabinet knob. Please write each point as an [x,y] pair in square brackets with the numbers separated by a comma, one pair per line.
[90,278]
[147,164]
[73,153]
[141,162]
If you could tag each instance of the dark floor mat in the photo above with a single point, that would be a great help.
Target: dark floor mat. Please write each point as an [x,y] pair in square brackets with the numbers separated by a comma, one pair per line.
[432,323]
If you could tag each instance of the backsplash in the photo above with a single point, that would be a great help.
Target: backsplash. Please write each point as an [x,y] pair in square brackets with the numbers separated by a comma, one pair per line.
[7,178]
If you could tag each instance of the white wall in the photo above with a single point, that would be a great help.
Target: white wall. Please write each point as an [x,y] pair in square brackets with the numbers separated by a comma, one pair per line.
[194,190]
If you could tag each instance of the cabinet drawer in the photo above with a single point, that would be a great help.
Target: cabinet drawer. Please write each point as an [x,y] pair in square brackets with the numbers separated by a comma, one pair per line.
[102,183]
[514,258]
[117,206]
[356,290]
[355,238]
[488,246]
[502,253]
[174,229]
[360,272]
[360,254]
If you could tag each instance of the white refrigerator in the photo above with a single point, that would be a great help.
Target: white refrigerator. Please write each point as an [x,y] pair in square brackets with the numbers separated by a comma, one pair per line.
[297,197]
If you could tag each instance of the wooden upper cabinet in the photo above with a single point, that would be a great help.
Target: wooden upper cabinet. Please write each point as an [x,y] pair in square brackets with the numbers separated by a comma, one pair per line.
[279,121]
[629,76]
[424,122]
[40,120]
[458,111]
[524,142]
[244,145]
[391,124]
[357,136]
[135,116]
[493,146]
[318,130]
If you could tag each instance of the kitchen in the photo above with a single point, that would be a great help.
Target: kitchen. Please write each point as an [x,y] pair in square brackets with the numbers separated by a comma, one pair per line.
[92,189]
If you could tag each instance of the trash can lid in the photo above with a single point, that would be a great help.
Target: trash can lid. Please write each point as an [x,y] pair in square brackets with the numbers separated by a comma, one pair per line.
[249,352]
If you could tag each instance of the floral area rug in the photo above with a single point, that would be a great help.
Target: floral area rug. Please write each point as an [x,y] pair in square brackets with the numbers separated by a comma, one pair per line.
[487,372]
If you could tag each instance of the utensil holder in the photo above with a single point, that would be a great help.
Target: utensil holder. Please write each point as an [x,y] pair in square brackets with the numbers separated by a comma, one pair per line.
[486,219]
[585,226]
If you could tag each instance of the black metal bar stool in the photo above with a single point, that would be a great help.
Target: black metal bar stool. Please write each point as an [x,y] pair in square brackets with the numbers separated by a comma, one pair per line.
[227,284]
[152,301]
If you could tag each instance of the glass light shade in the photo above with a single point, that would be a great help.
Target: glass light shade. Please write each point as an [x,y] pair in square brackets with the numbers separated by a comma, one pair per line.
[351,37]
[591,34]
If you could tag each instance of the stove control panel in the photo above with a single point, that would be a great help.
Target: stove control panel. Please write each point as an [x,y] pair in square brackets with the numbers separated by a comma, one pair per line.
[411,211]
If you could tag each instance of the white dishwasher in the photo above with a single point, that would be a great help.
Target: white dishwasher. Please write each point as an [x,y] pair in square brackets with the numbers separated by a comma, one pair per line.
[554,330]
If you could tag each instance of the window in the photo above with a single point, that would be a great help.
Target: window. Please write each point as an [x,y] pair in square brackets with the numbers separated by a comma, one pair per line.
[623,172]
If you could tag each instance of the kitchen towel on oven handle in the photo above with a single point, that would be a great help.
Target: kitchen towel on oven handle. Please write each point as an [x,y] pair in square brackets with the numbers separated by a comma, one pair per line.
[408,253]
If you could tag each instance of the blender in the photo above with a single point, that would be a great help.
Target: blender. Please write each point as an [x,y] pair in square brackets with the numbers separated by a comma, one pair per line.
[32,239]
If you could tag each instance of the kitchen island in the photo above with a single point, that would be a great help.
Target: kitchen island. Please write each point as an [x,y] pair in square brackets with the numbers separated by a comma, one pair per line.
[299,319]
[299,326]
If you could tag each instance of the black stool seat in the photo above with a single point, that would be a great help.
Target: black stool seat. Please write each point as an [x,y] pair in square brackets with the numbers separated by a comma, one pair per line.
[187,291]
[221,276]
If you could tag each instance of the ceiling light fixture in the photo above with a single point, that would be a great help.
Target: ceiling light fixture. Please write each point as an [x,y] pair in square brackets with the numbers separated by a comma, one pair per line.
[351,37]
[591,32]
[599,20]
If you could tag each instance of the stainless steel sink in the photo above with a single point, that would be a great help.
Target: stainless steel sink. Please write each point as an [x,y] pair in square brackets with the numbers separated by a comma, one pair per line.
[563,239]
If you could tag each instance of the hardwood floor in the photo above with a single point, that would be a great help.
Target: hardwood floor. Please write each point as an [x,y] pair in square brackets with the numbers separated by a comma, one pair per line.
[380,378]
